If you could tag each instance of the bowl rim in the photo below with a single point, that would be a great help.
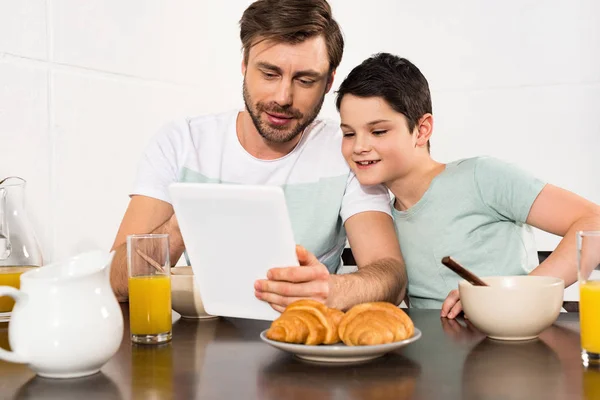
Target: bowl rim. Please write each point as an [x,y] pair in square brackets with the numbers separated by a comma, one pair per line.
[184,270]
[552,282]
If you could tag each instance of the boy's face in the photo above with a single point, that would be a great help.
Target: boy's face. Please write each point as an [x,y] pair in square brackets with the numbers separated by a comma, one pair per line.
[285,85]
[377,143]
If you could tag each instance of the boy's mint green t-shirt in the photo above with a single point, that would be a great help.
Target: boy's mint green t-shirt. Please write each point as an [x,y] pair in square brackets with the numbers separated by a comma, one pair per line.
[475,212]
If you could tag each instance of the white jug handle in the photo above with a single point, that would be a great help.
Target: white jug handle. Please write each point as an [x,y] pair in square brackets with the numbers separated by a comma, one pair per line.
[16,294]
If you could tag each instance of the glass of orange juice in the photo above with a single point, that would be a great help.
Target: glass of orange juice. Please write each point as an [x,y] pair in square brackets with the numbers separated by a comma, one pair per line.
[149,288]
[588,265]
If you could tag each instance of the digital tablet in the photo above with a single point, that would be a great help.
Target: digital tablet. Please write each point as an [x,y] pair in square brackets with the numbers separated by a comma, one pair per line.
[233,235]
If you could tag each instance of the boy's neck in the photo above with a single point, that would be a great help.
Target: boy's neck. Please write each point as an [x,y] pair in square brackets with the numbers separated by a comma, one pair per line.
[410,188]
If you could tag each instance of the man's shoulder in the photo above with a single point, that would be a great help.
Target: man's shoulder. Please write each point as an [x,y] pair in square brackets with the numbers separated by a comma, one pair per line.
[325,125]
[199,123]
[211,122]
[185,132]
[325,130]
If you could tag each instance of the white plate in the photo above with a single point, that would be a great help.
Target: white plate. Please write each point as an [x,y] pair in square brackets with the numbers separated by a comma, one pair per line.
[339,353]
[200,317]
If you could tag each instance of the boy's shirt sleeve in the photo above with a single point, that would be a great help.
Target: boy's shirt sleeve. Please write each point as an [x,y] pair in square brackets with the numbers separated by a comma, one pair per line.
[506,189]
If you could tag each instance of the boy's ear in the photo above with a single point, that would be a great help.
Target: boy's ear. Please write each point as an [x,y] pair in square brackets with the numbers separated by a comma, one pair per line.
[424,130]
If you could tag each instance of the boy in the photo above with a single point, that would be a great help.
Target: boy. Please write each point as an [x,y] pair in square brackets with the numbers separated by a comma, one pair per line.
[477,210]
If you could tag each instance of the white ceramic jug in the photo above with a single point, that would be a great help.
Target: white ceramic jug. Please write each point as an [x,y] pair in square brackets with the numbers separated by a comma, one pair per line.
[66,322]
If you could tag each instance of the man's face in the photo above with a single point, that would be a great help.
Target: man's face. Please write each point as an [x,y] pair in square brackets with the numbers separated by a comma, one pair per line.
[285,85]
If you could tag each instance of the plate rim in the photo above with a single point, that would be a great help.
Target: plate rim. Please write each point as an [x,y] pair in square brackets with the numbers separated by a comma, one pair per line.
[340,350]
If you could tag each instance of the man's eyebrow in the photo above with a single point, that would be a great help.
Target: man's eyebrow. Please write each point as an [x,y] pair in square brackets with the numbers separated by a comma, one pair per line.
[308,72]
[270,67]
[311,73]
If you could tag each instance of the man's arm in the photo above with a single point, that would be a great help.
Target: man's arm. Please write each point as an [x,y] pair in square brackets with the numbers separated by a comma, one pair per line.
[381,274]
[143,215]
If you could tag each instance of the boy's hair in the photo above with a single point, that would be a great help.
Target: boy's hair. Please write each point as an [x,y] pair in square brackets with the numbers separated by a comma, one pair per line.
[396,80]
[291,21]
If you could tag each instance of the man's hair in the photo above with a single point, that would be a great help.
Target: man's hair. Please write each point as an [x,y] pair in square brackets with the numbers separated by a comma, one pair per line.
[291,21]
[396,80]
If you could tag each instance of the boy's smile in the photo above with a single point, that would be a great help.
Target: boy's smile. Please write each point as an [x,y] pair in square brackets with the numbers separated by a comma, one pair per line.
[365,164]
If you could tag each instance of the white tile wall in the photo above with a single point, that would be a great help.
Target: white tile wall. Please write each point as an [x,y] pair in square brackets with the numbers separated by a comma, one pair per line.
[182,41]
[475,44]
[83,85]
[23,28]
[102,124]
[24,140]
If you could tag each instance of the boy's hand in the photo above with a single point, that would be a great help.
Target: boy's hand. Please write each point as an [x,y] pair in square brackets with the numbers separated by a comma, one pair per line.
[285,285]
[452,305]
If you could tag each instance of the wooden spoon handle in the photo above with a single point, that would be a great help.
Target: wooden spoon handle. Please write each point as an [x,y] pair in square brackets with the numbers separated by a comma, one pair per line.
[462,272]
[150,260]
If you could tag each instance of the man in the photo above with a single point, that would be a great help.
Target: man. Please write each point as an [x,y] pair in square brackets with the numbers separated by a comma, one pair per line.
[291,51]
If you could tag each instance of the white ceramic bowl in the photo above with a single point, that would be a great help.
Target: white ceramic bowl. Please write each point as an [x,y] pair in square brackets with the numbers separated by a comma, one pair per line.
[513,307]
[185,295]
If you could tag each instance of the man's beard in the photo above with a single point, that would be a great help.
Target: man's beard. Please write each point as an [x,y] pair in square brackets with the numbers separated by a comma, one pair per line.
[272,133]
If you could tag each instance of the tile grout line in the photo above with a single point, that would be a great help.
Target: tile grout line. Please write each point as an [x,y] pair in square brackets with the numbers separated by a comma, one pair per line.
[51,135]
[105,74]
[112,75]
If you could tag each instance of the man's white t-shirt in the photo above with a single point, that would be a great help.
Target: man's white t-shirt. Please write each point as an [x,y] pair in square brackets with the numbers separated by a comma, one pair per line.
[321,191]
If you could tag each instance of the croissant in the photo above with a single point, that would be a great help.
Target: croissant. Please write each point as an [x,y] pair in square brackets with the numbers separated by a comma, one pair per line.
[375,323]
[306,322]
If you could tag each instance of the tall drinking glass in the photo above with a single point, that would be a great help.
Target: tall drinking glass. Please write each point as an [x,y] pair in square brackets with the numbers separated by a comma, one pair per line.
[149,288]
[588,265]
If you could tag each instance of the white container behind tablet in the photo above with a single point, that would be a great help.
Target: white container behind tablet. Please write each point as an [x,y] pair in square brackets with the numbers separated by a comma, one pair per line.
[233,235]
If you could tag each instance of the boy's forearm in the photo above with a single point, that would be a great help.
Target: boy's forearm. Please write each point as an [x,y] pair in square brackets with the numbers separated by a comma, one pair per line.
[562,263]
[383,280]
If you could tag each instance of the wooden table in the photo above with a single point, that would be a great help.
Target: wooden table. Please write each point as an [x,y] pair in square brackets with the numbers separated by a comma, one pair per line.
[225,359]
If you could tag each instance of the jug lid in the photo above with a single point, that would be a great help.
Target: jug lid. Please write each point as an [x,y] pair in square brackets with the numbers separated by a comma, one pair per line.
[12,181]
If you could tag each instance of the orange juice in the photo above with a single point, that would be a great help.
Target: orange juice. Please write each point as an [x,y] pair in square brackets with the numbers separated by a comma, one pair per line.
[4,343]
[10,276]
[152,372]
[589,315]
[150,304]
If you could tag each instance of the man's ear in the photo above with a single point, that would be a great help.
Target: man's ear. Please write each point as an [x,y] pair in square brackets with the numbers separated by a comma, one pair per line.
[244,67]
[424,130]
[330,79]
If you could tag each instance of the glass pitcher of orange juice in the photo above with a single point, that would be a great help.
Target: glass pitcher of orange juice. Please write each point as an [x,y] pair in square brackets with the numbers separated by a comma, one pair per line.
[19,248]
